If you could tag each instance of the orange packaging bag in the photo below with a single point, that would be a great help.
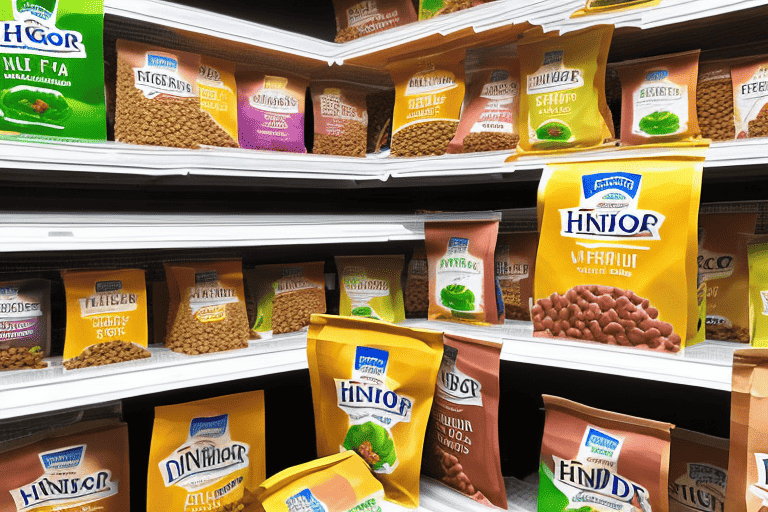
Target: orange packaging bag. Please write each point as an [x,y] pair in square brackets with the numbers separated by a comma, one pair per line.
[106,317]
[358,18]
[218,96]
[698,472]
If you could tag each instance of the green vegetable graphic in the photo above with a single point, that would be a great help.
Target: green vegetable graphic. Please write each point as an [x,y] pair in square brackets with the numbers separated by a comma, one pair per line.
[365,312]
[35,105]
[551,499]
[660,123]
[553,130]
[458,297]
[372,443]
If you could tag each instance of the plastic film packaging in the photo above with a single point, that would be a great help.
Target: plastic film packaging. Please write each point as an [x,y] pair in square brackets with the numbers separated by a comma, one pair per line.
[218,96]
[371,287]
[25,317]
[341,119]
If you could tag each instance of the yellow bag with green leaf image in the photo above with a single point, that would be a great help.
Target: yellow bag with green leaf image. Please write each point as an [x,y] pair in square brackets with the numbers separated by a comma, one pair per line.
[371,287]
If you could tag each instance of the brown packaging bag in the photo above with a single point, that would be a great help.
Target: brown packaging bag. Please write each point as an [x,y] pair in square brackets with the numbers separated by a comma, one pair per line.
[697,472]
[416,292]
[714,100]
[724,263]
[462,446]
[358,18]
[515,262]
[606,460]
[750,97]
[341,119]
[25,324]
[74,468]
[462,284]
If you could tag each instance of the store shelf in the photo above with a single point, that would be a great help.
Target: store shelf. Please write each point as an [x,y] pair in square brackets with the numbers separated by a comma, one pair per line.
[436,497]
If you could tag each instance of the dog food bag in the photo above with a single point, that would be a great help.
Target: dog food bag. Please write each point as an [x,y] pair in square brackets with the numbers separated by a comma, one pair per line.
[372,389]
[207,307]
[270,111]
[53,80]
[218,96]
[616,256]
[489,121]
[371,287]
[429,93]
[106,317]
[338,483]
[563,100]
[341,119]
[724,262]
[601,461]
[416,293]
[431,8]
[75,468]
[698,472]
[462,282]
[714,100]
[207,455]
[356,18]
[515,262]
[25,324]
[747,489]
[758,293]
[462,447]
[286,296]
[659,98]
[602,6]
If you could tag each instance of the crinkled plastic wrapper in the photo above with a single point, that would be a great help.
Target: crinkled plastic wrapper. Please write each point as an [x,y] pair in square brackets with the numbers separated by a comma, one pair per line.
[341,119]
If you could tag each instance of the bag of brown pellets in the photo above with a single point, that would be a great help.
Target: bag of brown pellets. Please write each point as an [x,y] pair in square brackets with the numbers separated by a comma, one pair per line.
[714,100]
[80,467]
[380,107]
[270,111]
[462,445]
[602,461]
[515,261]
[218,97]
[698,472]
[416,292]
[462,281]
[371,287]
[106,317]
[358,18]
[207,307]
[616,262]
[489,119]
[25,324]
[429,93]
[563,102]
[207,454]
[750,98]
[659,99]
[341,119]
[724,262]
[285,296]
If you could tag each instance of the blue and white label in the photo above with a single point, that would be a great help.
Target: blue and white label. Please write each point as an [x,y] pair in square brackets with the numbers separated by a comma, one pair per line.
[67,458]
[371,361]
[209,427]
[160,75]
[600,444]
[305,501]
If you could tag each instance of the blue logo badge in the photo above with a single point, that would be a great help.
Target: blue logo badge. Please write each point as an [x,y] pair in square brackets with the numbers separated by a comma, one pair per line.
[601,440]
[625,182]
[371,360]
[209,427]
[655,76]
[161,61]
[64,459]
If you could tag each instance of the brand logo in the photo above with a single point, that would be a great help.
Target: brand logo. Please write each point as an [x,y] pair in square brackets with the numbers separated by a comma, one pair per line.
[63,459]
[273,98]
[602,443]
[162,61]
[655,76]
[702,488]
[160,76]
[455,386]
[716,265]
[553,76]
[9,292]
[430,81]
[305,501]
[458,244]
[359,399]
[604,481]
[371,361]
[108,286]
[34,31]
[209,276]
[608,210]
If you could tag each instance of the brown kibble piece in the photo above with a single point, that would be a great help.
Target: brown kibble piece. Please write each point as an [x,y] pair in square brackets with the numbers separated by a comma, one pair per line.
[116,351]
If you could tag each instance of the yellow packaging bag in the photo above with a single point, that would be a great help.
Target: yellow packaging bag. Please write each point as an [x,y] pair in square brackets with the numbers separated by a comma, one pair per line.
[616,262]
[371,287]
[372,389]
[218,96]
[429,92]
[338,483]
[106,317]
[602,6]
[207,455]
[563,95]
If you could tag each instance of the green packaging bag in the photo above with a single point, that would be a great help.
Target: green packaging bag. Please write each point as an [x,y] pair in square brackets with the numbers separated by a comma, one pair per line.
[757,254]
[371,287]
[53,70]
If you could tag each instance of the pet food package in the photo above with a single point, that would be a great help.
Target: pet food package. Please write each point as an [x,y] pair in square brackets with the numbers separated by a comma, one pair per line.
[372,388]
[79,467]
[750,98]
[429,93]
[106,317]
[53,80]
[515,262]
[489,121]
[603,6]
[698,472]
[356,18]
[724,262]
[270,111]
[218,96]
[758,293]
[207,307]
[563,101]
[659,99]
[714,100]
[341,119]
[616,261]
[416,293]
[462,282]
[285,296]
[338,483]
[207,455]
[371,287]
[25,324]
[380,107]
[462,446]
[602,461]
